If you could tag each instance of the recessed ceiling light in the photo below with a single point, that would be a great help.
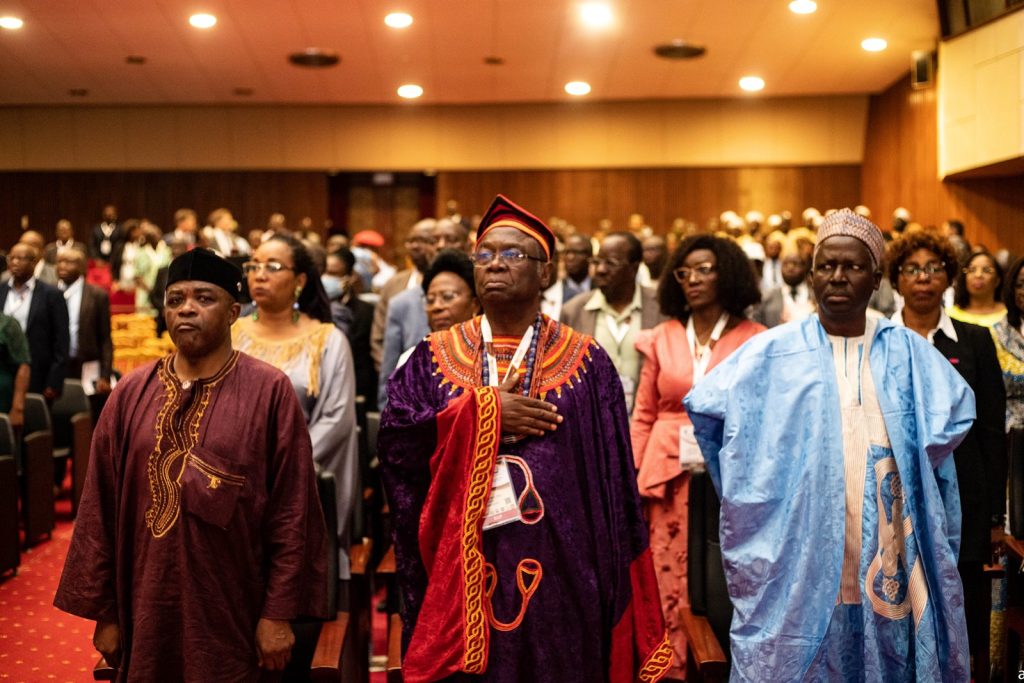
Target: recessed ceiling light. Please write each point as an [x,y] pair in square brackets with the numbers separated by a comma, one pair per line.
[410,91]
[493,60]
[752,83]
[11,23]
[803,7]
[577,88]
[78,92]
[135,59]
[315,58]
[874,44]
[398,20]
[596,14]
[202,20]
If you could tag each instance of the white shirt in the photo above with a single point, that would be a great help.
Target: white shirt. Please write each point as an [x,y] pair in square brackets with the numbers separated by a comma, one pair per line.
[798,306]
[945,324]
[19,302]
[551,301]
[73,297]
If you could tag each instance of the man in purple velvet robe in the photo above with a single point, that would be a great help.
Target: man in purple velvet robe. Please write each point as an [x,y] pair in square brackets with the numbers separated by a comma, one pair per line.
[199,534]
[522,550]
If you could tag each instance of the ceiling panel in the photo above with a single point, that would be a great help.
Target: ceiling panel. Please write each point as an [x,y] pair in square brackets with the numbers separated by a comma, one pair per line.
[83,44]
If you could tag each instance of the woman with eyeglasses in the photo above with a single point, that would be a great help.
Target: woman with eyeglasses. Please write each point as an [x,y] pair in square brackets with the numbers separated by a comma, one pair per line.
[291,329]
[921,266]
[707,287]
[449,293]
[979,291]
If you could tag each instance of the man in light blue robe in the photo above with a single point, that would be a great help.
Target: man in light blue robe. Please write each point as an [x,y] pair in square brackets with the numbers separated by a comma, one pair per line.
[830,444]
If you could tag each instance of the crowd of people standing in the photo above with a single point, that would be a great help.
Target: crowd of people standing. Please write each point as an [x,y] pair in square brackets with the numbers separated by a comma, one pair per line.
[582,349]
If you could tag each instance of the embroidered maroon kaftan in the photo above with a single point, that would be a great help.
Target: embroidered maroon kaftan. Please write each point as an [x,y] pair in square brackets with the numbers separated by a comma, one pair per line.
[199,516]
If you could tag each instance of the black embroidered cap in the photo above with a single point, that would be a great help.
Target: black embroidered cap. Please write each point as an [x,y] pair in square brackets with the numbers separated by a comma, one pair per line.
[205,266]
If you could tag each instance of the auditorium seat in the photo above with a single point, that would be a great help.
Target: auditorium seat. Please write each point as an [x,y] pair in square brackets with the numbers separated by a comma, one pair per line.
[72,401]
[10,553]
[37,485]
[37,415]
[706,621]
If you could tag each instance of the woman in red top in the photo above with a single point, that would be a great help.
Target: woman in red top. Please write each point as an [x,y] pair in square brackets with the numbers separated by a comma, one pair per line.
[708,286]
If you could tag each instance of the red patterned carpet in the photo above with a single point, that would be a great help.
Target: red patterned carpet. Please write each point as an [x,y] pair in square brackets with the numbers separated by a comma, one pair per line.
[38,642]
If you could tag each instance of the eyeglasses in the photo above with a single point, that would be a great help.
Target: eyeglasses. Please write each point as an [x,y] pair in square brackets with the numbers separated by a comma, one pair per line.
[507,257]
[253,267]
[913,270]
[444,298]
[610,263]
[980,270]
[702,271]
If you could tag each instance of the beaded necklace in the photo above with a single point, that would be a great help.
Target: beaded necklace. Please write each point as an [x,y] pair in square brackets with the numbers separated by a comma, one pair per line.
[531,357]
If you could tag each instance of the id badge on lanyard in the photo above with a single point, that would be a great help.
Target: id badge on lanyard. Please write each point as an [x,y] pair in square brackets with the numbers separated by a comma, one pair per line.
[492,361]
[503,505]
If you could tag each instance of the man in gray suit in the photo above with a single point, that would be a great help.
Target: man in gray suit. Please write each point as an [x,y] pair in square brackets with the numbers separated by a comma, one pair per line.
[615,312]
[793,299]
[406,326]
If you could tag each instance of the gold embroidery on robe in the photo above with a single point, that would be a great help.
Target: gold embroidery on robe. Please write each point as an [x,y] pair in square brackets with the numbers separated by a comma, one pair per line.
[284,354]
[174,442]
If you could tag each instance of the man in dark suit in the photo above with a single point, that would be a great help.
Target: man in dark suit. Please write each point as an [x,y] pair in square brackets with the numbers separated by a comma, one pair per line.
[89,323]
[40,310]
[618,308]
[354,317]
[107,236]
[65,237]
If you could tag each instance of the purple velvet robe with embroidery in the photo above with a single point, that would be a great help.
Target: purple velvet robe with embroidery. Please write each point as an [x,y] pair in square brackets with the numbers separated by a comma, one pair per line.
[591,541]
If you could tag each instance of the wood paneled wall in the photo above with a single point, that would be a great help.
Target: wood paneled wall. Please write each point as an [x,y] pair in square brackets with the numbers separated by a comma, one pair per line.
[901,169]
[250,196]
[585,197]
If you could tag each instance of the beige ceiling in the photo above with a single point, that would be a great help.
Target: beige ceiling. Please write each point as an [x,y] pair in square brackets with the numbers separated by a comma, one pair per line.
[67,44]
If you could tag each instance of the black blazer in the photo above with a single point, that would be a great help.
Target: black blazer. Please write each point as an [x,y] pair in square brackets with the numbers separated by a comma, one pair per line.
[48,337]
[981,459]
[94,329]
[96,238]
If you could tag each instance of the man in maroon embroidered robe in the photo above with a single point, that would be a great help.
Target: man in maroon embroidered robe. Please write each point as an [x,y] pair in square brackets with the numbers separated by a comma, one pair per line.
[200,532]
[566,592]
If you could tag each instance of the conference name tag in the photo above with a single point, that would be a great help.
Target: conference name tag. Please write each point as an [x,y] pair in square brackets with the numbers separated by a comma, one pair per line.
[503,505]
[690,457]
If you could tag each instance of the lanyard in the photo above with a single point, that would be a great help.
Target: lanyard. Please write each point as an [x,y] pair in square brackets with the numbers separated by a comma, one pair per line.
[618,330]
[701,354]
[492,361]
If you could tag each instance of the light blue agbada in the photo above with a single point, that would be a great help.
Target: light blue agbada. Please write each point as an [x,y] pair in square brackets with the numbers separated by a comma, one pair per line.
[768,422]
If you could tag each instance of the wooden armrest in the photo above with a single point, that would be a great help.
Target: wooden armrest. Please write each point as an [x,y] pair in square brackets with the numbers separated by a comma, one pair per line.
[103,671]
[702,644]
[1013,545]
[387,563]
[327,657]
[993,571]
[394,666]
[359,556]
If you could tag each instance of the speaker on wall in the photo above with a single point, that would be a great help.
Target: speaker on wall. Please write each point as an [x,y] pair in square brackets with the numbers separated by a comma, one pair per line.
[922,69]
